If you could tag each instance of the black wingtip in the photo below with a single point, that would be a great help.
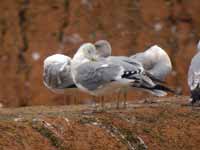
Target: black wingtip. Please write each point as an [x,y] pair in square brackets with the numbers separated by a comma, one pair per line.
[166,89]
[128,74]
[72,86]
[195,95]
[67,87]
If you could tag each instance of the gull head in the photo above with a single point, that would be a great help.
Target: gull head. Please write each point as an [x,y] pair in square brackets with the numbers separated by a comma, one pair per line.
[103,48]
[87,52]
[56,59]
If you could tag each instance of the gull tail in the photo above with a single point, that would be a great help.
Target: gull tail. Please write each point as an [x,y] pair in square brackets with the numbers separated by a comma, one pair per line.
[158,93]
[164,88]
[161,90]
[157,90]
[148,83]
[195,95]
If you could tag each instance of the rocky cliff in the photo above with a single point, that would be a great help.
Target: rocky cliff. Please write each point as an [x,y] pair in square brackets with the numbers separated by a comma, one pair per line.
[32,30]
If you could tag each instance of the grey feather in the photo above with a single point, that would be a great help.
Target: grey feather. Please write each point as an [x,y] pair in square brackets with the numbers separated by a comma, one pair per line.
[142,80]
[96,74]
[126,62]
[155,61]
[103,48]
[194,72]
[132,65]
[58,76]
[194,76]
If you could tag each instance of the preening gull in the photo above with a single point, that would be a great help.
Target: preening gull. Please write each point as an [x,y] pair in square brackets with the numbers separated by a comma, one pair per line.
[155,61]
[128,64]
[103,48]
[194,76]
[104,51]
[100,76]
[57,72]
[92,76]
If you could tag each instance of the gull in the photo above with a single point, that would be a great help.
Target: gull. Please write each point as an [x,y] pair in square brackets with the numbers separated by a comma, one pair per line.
[92,76]
[129,65]
[57,72]
[155,61]
[194,77]
[104,51]
[101,76]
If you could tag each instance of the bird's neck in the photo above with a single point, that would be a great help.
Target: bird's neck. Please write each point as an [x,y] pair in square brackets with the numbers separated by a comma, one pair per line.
[78,59]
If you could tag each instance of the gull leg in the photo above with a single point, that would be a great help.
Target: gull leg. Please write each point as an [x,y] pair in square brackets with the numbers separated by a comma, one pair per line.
[118,100]
[65,99]
[102,102]
[111,98]
[95,104]
[103,98]
[75,99]
[125,98]
[100,105]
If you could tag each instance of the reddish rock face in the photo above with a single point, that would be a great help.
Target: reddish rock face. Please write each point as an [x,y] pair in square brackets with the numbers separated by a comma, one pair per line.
[32,30]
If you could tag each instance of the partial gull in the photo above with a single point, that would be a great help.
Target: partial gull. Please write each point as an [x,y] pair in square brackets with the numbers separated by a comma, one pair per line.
[129,65]
[57,73]
[100,76]
[104,50]
[155,61]
[194,77]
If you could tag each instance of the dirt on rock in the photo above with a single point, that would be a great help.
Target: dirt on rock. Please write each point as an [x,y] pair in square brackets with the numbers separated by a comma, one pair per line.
[161,124]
